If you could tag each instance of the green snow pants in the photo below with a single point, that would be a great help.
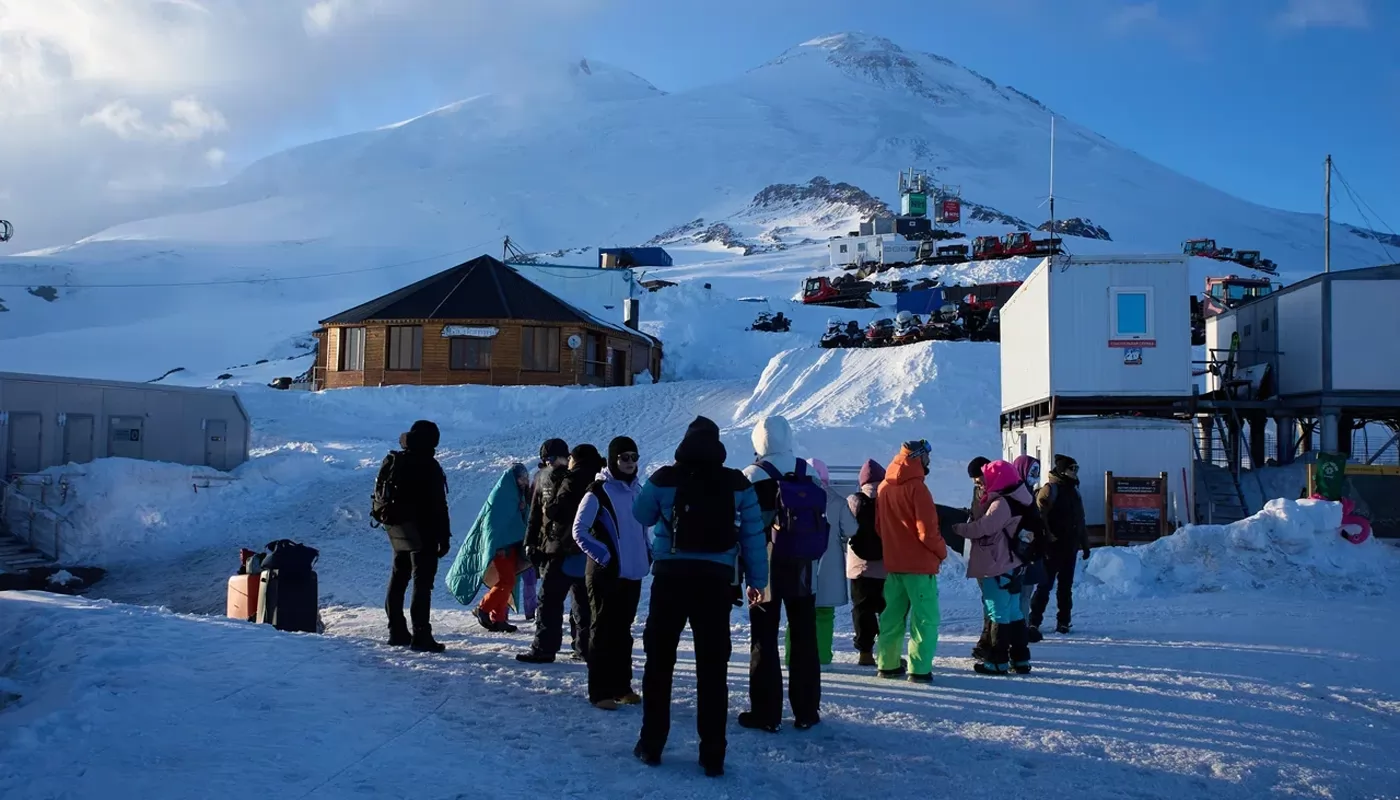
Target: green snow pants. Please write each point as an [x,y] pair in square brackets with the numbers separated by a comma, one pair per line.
[911,603]
[826,633]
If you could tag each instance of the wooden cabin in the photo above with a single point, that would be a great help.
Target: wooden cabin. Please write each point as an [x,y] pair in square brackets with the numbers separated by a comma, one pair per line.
[480,322]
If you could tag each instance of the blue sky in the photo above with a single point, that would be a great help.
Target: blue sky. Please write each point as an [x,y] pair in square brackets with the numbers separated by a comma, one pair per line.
[1247,95]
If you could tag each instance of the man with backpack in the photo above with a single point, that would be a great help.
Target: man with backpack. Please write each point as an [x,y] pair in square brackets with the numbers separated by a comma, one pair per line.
[701,553]
[1062,509]
[549,541]
[794,517]
[907,521]
[865,564]
[410,501]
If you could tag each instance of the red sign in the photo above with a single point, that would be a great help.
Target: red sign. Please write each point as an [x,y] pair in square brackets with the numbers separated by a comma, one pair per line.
[1132,342]
[952,211]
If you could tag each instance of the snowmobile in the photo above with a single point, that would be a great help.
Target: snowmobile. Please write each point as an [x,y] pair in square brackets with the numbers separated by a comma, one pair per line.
[908,329]
[771,323]
[991,328]
[835,335]
[943,325]
[879,332]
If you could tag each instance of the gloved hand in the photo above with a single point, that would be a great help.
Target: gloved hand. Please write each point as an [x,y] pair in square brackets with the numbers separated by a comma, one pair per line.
[443,547]
[1085,556]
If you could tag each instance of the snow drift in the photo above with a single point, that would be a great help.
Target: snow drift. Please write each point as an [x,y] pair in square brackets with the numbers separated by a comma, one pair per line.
[1291,545]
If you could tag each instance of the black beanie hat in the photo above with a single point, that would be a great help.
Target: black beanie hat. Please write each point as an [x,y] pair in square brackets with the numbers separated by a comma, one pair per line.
[617,447]
[1063,463]
[422,435]
[552,449]
[588,457]
[974,467]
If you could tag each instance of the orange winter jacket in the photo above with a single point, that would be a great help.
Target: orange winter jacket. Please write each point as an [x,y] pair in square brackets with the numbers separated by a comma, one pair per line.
[906,520]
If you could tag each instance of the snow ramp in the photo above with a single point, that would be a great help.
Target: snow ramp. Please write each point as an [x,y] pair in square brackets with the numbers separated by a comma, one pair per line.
[850,405]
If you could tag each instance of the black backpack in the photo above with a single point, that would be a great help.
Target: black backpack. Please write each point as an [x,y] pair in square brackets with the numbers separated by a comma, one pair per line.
[1028,542]
[386,505]
[704,517]
[866,543]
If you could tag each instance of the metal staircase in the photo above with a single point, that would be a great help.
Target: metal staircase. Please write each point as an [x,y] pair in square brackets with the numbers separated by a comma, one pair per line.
[30,531]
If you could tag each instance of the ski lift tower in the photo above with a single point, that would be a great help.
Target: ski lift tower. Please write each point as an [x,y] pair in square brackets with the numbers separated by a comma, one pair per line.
[913,192]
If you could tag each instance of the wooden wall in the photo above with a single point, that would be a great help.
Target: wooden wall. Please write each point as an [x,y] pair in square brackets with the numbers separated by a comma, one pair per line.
[506,357]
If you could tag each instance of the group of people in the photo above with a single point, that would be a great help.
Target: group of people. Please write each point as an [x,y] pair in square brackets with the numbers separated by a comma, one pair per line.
[589,528]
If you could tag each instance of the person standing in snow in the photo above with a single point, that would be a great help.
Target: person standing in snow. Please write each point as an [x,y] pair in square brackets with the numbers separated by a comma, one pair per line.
[791,588]
[619,557]
[994,565]
[1028,467]
[420,536]
[560,560]
[983,648]
[907,521]
[865,563]
[1062,509]
[553,453]
[830,579]
[490,552]
[707,539]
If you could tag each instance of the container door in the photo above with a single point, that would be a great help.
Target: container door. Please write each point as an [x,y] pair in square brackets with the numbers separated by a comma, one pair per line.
[216,444]
[26,442]
[125,437]
[77,438]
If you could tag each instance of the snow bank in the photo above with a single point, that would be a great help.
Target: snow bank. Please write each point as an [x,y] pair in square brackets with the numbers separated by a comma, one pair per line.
[1291,545]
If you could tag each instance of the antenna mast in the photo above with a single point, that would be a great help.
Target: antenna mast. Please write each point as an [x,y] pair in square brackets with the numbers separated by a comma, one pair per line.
[1327,217]
[1052,178]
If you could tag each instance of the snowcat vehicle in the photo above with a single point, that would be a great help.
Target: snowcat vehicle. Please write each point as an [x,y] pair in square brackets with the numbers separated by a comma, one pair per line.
[835,335]
[986,248]
[845,291]
[1204,248]
[947,254]
[879,332]
[908,328]
[1232,291]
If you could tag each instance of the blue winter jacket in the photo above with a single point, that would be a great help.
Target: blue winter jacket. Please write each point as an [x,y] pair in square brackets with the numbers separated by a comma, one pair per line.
[655,506]
[625,535]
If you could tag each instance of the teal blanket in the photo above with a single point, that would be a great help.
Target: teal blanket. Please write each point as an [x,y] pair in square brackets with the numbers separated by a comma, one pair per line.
[499,525]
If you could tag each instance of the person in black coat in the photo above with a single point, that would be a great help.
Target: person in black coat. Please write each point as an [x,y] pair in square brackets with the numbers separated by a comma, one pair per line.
[550,546]
[423,537]
[1062,509]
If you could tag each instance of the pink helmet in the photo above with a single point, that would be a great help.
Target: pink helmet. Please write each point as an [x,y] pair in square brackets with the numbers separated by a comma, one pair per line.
[1000,476]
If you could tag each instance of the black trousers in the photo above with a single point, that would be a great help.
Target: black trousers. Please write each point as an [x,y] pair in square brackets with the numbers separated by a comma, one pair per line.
[1059,573]
[789,590]
[704,600]
[613,604]
[549,618]
[867,601]
[421,568]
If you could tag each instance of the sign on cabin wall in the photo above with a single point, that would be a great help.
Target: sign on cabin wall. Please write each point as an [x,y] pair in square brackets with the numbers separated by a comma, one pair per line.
[468,332]
[1135,508]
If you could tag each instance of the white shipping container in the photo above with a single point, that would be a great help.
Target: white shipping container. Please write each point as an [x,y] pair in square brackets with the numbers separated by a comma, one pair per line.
[1107,326]
[1126,446]
[850,250]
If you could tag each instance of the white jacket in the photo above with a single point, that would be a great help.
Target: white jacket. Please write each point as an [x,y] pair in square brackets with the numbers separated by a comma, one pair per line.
[831,570]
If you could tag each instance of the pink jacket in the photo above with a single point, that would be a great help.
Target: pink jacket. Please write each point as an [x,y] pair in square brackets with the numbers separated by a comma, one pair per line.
[991,552]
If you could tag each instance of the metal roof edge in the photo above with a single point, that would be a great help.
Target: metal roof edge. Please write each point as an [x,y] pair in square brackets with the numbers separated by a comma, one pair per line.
[117,384]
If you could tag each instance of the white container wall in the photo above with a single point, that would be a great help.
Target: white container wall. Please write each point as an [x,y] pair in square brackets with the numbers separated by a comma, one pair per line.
[1300,322]
[1365,335]
[1117,326]
[1128,447]
[849,250]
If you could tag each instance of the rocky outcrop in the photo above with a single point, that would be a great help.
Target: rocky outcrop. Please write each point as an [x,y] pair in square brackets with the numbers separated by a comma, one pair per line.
[1078,226]
[980,213]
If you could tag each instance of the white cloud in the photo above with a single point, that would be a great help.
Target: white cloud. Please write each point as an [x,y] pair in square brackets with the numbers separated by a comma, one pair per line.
[1326,14]
[100,99]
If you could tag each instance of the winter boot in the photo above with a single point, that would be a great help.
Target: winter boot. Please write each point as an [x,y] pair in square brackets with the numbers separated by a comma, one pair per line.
[426,644]
[1063,627]
[712,770]
[1021,667]
[531,657]
[629,699]
[747,719]
[988,668]
[807,724]
[400,637]
[484,620]
[914,677]
[606,704]
[897,672]
[646,756]
[867,659]
[1033,634]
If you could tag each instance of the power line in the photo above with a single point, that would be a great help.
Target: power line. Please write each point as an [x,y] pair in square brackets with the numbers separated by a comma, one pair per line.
[237,281]
[1357,203]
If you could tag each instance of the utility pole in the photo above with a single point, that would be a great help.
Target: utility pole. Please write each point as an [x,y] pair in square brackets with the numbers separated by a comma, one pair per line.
[1052,181]
[1327,217]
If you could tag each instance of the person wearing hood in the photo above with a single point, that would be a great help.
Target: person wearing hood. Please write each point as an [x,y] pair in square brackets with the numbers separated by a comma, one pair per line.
[553,453]
[707,539]
[619,557]
[559,558]
[490,552]
[1062,509]
[791,588]
[974,472]
[420,535]
[994,565]
[830,579]
[1028,467]
[907,521]
[865,563]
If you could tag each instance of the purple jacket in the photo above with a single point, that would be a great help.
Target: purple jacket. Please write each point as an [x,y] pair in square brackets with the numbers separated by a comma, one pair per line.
[991,552]
[626,536]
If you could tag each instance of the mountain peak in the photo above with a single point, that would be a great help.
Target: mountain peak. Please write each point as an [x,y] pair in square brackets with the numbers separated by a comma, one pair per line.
[852,42]
[876,60]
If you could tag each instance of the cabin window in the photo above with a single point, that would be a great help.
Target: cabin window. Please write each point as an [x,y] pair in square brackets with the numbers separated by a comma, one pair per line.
[595,353]
[405,347]
[844,248]
[861,247]
[1131,311]
[539,349]
[352,349]
[1264,325]
[469,353]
